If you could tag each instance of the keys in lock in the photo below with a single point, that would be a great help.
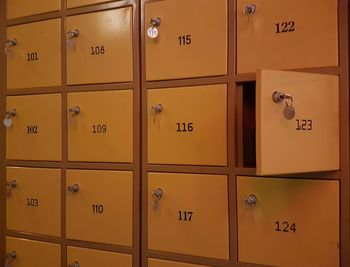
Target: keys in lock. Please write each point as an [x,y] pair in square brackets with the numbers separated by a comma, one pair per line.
[156,195]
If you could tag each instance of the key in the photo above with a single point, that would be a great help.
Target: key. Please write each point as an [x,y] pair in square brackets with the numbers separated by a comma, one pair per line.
[157,195]
[9,186]
[152,31]
[155,204]
[71,35]
[74,111]
[10,257]
[156,109]
[9,44]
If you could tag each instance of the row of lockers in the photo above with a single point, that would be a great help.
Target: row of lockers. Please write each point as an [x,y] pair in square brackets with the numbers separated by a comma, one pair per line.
[186,214]
[23,253]
[181,129]
[21,8]
[99,44]
[99,50]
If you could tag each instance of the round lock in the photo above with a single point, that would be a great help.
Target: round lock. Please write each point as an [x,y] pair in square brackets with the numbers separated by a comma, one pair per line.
[251,200]
[249,9]
[12,42]
[278,97]
[74,188]
[156,109]
[12,184]
[74,111]
[158,193]
[72,34]
[155,22]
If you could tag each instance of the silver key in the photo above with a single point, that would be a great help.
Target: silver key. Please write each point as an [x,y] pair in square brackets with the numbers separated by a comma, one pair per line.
[157,195]
[74,188]
[9,186]
[156,109]
[9,44]
[71,35]
[152,31]
[74,111]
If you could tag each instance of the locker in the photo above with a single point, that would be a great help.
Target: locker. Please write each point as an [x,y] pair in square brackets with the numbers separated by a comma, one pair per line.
[183,130]
[188,214]
[164,263]
[33,200]
[99,47]
[35,130]
[30,253]
[290,34]
[34,54]
[297,128]
[99,206]
[288,222]
[21,8]
[84,257]
[176,39]
[100,126]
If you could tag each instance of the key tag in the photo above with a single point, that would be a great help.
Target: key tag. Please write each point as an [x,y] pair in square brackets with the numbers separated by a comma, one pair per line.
[8,118]
[152,31]
[249,10]
[289,111]
[7,122]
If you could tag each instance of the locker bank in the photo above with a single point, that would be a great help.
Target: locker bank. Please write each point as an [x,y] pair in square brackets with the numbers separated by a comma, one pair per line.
[174,133]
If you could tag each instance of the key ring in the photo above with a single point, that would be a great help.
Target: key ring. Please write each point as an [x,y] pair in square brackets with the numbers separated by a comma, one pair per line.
[290,98]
